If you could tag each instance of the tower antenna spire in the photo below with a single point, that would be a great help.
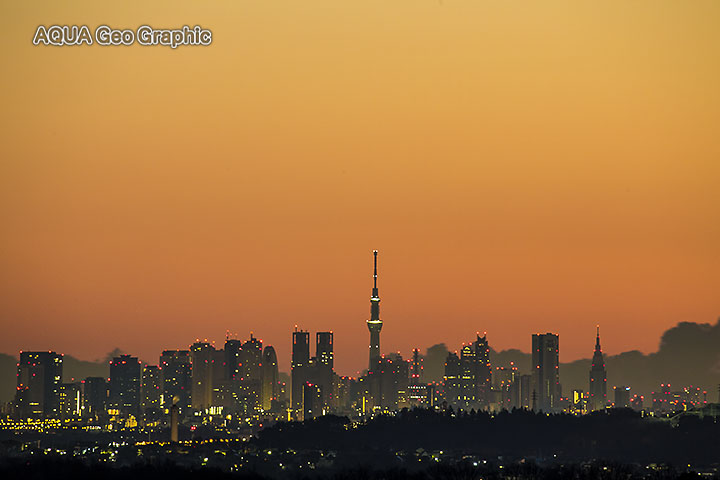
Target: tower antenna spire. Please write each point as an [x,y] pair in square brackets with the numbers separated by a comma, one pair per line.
[375,253]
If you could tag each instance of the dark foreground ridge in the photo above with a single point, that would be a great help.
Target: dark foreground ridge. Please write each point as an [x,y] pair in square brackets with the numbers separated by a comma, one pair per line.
[76,470]
[418,444]
[620,435]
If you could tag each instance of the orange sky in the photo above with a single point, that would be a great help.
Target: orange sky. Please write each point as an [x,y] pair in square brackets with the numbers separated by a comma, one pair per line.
[521,166]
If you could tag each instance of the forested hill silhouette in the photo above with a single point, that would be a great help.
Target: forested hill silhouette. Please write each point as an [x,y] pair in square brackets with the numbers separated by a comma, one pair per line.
[688,354]
[619,435]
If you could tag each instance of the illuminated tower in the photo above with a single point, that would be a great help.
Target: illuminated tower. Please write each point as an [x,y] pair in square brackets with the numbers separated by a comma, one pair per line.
[374,324]
[598,379]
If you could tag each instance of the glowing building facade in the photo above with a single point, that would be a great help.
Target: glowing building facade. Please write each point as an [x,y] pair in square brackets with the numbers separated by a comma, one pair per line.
[176,368]
[125,385]
[39,375]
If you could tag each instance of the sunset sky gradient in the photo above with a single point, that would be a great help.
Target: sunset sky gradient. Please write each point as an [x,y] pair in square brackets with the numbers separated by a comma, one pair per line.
[522,166]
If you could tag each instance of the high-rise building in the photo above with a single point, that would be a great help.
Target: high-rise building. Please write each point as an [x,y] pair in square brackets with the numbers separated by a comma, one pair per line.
[468,380]
[125,385]
[300,367]
[151,390]
[324,349]
[374,323]
[232,357]
[70,400]
[598,379]
[312,401]
[622,397]
[203,357]
[387,383]
[416,368]
[546,371]
[346,393]
[95,396]
[271,379]
[176,367]
[417,390]
[523,391]
[39,375]
[323,366]
[221,383]
[482,370]
[251,376]
[505,379]
[452,382]
[251,360]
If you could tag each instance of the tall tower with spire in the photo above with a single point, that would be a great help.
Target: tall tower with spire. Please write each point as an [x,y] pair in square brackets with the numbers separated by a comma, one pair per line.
[374,323]
[598,379]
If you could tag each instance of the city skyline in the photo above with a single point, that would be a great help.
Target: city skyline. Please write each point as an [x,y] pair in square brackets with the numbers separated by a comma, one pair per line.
[373,318]
[243,379]
[525,348]
[372,324]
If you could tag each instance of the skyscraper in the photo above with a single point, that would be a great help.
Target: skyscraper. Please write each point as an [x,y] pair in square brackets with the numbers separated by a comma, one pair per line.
[176,368]
[452,382]
[271,378]
[374,324]
[598,379]
[232,357]
[468,370]
[622,397]
[70,400]
[323,365]
[546,371]
[388,382]
[251,375]
[300,367]
[251,360]
[482,370]
[416,368]
[312,401]
[151,391]
[95,396]
[202,356]
[38,385]
[417,391]
[125,384]
[324,349]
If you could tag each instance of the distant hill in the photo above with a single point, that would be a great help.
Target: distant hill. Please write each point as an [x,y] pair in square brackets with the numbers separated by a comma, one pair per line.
[688,355]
